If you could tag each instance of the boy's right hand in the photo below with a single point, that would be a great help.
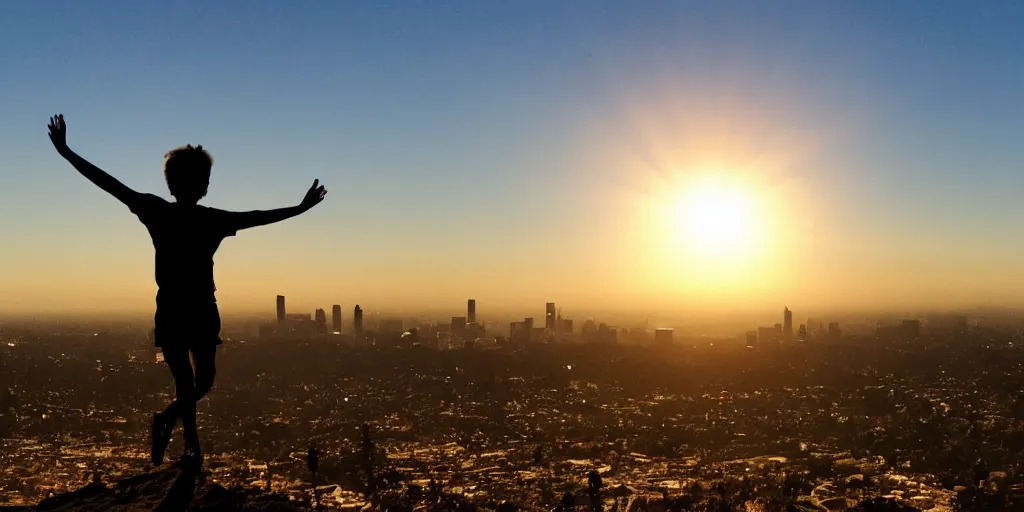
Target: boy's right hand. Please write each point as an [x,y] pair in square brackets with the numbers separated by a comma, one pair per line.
[59,133]
[314,195]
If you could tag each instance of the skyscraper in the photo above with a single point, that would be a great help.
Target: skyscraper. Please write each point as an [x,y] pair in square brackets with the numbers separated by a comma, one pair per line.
[459,326]
[280,309]
[787,323]
[336,317]
[321,319]
[471,313]
[834,331]
[357,319]
[550,317]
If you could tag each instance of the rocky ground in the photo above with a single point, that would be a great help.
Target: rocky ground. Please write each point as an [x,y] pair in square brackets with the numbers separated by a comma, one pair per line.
[167,489]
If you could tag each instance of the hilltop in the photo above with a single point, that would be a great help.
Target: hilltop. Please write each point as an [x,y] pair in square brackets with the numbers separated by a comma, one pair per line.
[167,489]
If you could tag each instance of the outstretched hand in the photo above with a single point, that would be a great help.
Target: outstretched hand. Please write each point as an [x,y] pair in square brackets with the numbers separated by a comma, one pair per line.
[314,195]
[58,132]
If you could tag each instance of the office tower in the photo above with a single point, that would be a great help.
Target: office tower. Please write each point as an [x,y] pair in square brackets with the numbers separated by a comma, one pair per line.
[663,336]
[321,319]
[550,317]
[518,333]
[357,319]
[336,318]
[751,339]
[787,325]
[565,326]
[471,311]
[834,331]
[280,309]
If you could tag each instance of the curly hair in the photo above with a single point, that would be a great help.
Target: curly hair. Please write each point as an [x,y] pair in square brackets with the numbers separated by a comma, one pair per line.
[187,171]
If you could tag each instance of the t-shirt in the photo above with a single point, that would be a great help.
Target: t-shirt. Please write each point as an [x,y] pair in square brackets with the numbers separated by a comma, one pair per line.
[185,237]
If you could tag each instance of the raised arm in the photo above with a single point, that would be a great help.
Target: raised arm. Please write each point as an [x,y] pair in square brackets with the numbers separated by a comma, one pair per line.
[58,135]
[244,220]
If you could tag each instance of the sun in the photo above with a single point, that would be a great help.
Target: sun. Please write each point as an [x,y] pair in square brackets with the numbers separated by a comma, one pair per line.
[715,217]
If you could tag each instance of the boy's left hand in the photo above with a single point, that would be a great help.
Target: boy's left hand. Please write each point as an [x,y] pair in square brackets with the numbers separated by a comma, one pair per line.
[314,195]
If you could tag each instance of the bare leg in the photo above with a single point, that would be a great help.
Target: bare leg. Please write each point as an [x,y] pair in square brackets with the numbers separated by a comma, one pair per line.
[204,362]
[184,404]
[203,369]
[178,362]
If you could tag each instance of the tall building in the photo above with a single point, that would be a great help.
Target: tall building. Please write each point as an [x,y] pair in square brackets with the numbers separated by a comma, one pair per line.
[787,323]
[459,326]
[280,309]
[321,319]
[518,333]
[911,328]
[751,339]
[550,315]
[357,319]
[834,331]
[471,311]
[607,334]
[336,317]
[663,336]
[565,326]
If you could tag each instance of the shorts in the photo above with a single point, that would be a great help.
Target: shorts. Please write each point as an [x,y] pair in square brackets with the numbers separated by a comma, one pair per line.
[186,324]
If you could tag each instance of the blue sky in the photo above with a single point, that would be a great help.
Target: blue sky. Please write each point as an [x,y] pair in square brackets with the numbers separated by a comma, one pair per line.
[464,143]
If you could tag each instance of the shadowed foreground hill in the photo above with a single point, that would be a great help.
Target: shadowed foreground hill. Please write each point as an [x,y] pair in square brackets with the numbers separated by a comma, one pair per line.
[164,490]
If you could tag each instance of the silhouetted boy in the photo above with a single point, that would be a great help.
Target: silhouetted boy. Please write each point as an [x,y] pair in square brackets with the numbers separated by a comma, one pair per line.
[185,236]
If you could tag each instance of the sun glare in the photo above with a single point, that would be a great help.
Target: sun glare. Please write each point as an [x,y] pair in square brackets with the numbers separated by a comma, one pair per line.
[714,217]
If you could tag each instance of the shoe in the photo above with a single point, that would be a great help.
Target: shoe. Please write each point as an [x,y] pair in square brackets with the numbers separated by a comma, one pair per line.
[161,436]
[191,460]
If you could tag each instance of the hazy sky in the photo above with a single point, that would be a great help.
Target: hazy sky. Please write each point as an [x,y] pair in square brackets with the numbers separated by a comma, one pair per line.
[521,151]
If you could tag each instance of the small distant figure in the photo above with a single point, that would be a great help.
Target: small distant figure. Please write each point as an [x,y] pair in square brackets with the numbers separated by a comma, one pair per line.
[185,236]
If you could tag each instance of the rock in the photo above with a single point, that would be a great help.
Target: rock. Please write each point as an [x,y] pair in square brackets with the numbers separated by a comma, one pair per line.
[835,504]
[60,502]
[806,505]
[855,481]
[883,505]
[166,489]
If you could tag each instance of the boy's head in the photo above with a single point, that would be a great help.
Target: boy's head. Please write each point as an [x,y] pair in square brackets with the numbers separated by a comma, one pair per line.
[187,170]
